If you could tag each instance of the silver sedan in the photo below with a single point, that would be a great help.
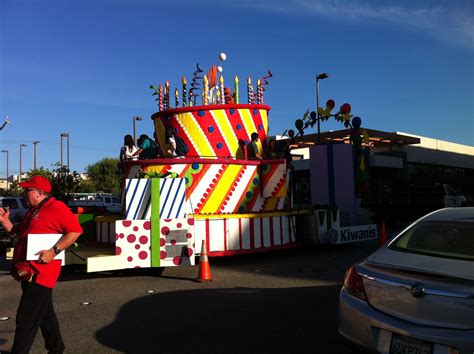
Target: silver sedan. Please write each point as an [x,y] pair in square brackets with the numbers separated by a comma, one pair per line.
[415,295]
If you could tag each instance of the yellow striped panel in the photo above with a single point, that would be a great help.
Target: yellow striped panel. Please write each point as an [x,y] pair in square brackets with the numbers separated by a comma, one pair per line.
[195,134]
[225,127]
[221,191]
[263,114]
[248,121]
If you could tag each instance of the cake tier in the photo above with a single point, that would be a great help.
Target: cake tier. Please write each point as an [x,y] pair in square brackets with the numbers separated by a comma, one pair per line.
[214,131]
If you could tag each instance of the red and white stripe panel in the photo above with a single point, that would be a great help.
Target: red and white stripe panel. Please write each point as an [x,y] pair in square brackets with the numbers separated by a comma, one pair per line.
[105,231]
[229,236]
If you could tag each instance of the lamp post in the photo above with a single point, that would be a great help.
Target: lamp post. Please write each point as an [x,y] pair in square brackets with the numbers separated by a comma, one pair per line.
[135,128]
[6,151]
[21,148]
[5,123]
[319,77]
[65,135]
[34,144]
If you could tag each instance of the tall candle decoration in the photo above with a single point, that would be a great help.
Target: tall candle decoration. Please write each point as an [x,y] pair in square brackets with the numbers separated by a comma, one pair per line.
[205,92]
[190,98]
[249,91]
[259,92]
[167,94]
[160,98]
[176,95]
[221,80]
[236,90]
[185,102]
[218,96]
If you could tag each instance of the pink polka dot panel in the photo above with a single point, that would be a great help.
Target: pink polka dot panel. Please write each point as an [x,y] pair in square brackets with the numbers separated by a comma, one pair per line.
[135,244]
[176,242]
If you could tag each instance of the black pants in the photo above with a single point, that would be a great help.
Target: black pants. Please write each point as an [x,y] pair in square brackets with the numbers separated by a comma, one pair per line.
[36,311]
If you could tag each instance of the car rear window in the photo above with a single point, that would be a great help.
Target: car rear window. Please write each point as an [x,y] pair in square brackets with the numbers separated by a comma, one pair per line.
[448,239]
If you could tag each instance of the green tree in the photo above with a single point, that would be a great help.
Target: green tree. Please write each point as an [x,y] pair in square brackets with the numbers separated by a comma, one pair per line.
[62,180]
[105,176]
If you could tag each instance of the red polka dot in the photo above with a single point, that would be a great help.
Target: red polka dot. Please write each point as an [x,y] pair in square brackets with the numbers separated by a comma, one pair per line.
[147,225]
[118,251]
[129,259]
[162,254]
[116,237]
[126,223]
[167,220]
[178,225]
[135,228]
[196,209]
[137,267]
[131,238]
[208,190]
[177,260]
[173,242]
[162,242]
[190,252]
[165,230]
[189,235]
[191,221]
[137,246]
[142,255]
[121,235]
[205,195]
[143,240]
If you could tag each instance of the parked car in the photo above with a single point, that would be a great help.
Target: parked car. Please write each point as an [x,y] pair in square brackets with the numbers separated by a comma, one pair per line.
[416,293]
[17,205]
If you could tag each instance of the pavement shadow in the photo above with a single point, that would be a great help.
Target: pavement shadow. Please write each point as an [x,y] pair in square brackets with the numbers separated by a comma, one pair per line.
[231,320]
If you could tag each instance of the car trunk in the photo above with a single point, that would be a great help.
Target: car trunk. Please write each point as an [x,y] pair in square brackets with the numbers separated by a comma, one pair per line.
[422,296]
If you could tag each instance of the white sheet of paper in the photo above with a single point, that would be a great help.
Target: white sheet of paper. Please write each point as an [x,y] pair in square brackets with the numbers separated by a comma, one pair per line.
[39,242]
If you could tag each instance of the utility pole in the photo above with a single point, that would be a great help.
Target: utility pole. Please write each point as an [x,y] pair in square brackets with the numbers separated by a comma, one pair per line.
[34,144]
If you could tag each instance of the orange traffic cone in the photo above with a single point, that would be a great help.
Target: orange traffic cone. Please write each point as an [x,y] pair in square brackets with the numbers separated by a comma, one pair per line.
[383,234]
[204,268]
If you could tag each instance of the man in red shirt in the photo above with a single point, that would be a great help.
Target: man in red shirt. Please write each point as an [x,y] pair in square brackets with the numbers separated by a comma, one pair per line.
[46,216]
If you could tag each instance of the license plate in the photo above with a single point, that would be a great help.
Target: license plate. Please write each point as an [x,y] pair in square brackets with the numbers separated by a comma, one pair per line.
[407,345]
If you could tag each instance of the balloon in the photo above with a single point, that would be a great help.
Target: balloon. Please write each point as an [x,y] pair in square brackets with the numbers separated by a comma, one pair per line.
[291,133]
[313,115]
[330,104]
[299,124]
[222,56]
[345,108]
[219,68]
[320,111]
[356,122]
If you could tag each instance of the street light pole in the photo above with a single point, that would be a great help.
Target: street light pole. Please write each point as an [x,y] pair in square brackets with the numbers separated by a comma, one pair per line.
[21,147]
[34,144]
[135,128]
[6,151]
[319,77]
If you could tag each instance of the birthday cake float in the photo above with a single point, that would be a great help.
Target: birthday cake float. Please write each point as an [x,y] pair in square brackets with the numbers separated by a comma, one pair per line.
[214,193]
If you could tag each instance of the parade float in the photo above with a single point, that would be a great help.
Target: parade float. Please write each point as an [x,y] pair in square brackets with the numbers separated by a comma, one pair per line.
[213,194]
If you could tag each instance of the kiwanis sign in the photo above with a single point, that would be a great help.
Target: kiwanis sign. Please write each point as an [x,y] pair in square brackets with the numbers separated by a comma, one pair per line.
[352,233]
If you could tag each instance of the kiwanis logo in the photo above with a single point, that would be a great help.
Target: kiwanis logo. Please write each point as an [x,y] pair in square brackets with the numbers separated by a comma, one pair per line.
[333,236]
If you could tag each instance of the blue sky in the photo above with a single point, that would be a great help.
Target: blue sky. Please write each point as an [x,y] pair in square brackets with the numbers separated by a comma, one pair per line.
[84,67]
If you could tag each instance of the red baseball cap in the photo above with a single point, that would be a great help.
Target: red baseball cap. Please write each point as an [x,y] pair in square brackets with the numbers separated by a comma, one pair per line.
[37,182]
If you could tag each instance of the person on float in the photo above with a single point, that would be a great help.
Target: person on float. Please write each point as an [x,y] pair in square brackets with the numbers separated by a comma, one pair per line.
[129,150]
[147,148]
[38,278]
[252,148]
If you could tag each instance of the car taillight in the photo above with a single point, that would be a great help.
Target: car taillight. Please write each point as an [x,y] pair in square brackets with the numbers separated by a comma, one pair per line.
[353,284]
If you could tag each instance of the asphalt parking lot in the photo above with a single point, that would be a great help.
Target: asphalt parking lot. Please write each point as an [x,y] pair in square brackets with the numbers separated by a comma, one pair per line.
[285,301]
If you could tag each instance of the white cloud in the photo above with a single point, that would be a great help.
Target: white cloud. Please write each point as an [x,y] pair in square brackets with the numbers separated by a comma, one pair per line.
[450,21]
